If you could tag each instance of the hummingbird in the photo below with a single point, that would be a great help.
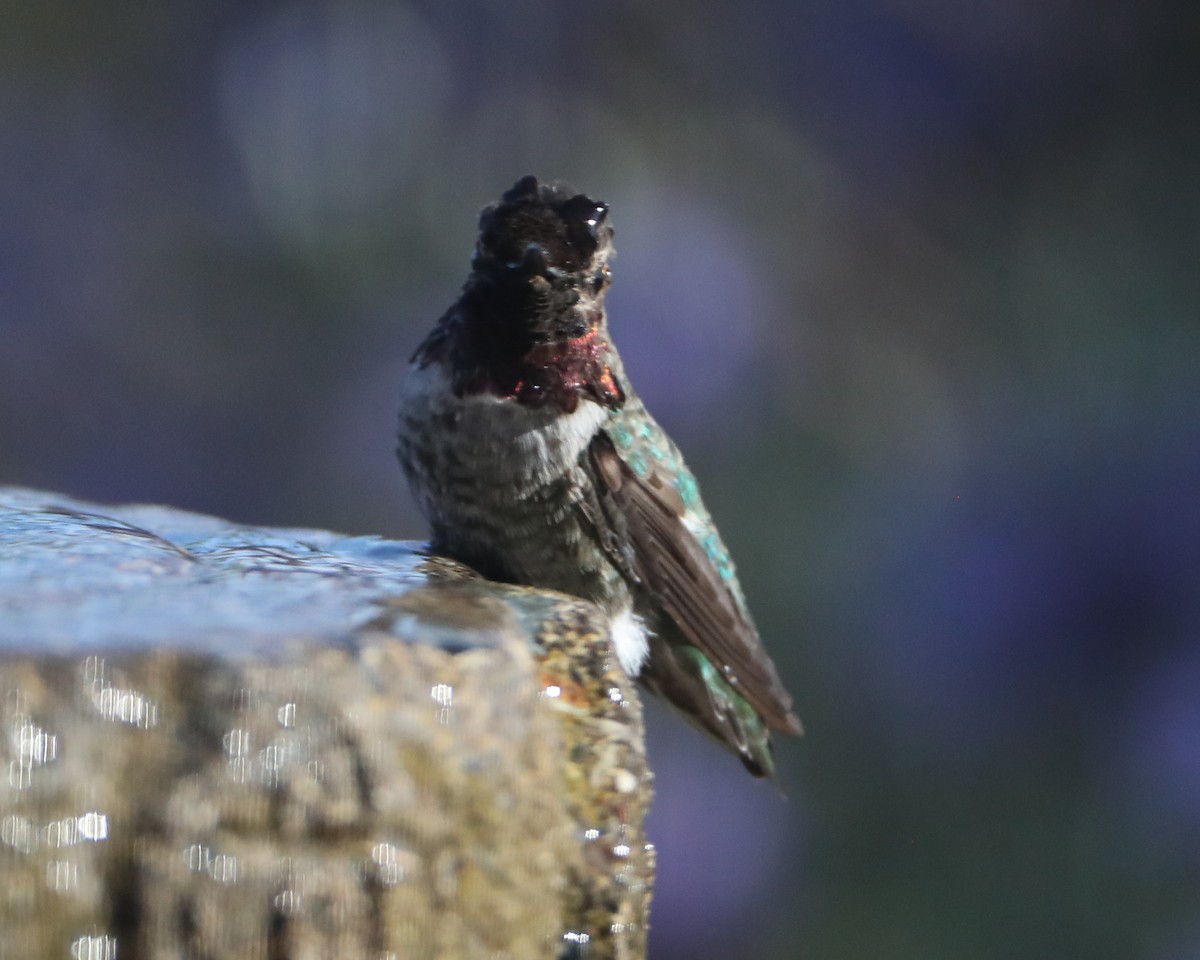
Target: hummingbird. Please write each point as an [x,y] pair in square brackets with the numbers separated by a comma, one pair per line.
[535,462]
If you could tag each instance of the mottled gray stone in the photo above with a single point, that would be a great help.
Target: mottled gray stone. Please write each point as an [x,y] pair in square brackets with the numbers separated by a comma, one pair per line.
[222,741]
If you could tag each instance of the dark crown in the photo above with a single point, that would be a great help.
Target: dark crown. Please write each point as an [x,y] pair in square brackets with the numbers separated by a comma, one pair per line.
[542,226]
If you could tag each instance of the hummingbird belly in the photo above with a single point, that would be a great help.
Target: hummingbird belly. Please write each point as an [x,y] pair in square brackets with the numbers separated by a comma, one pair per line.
[502,484]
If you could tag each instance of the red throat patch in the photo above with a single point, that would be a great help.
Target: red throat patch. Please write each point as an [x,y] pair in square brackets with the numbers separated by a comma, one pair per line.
[560,372]
[566,372]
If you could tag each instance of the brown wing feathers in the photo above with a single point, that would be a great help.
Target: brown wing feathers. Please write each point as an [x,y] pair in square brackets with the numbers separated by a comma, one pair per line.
[678,571]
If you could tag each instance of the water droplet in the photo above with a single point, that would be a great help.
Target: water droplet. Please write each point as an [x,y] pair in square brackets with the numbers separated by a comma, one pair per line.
[34,746]
[62,875]
[18,833]
[94,948]
[394,863]
[288,902]
[273,757]
[223,868]
[286,715]
[197,857]
[93,826]
[236,742]
[126,706]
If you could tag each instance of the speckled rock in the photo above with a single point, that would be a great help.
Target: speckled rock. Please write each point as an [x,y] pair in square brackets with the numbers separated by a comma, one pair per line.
[224,741]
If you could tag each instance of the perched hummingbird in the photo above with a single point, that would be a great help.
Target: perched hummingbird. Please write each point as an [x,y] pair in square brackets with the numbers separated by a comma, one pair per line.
[536,463]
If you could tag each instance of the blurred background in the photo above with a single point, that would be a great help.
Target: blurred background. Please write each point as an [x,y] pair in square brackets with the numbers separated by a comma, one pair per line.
[913,283]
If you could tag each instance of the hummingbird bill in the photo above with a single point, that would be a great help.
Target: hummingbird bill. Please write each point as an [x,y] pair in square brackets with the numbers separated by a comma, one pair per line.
[535,462]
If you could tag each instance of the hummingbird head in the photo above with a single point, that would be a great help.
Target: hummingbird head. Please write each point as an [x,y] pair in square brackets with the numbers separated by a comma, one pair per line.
[530,324]
[541,262]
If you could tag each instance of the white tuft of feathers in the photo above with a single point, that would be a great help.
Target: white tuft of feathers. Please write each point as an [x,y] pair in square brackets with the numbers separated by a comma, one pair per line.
[631,639]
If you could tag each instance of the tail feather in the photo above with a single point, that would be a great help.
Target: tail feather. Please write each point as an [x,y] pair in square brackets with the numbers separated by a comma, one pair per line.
[684,678]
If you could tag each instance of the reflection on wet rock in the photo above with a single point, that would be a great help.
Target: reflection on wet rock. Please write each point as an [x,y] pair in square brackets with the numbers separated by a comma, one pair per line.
[226,741]
[94,948]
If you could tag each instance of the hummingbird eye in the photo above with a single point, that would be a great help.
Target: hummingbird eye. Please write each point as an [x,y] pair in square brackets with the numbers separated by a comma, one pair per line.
[584,219]
[600,279]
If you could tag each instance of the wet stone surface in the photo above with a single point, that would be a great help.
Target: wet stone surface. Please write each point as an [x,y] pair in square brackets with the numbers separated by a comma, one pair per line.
[222,741]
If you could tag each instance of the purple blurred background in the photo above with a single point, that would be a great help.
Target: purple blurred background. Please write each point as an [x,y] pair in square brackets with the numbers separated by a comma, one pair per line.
[913,284]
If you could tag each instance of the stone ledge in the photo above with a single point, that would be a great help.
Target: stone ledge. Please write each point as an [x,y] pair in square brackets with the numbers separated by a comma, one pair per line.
[228,741]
